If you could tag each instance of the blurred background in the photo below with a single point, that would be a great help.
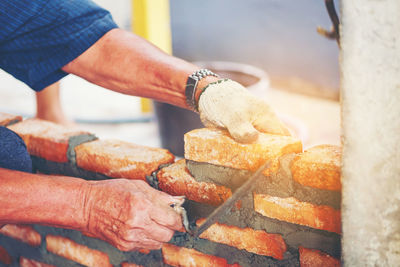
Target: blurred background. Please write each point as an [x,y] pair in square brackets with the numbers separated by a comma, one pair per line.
[300,74]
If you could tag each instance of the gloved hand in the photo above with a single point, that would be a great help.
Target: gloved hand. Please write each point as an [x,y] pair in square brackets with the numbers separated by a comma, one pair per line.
[228,104]
[130,214]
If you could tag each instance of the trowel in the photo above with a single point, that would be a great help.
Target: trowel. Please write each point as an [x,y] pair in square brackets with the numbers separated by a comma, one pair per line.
[242,191]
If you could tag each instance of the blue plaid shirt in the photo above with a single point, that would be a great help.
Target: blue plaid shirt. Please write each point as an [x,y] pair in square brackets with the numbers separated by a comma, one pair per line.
[38,37]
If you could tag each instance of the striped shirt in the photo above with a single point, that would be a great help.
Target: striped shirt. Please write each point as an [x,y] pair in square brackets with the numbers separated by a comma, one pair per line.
[38,37]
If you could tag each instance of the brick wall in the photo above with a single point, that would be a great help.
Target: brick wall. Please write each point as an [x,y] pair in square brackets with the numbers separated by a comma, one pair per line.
[291,219]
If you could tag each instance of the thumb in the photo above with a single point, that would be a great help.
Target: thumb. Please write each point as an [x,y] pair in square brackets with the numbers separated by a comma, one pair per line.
[243,131]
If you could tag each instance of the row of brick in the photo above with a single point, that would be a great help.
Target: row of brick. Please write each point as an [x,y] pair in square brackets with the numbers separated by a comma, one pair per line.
[319,167]
[113,158]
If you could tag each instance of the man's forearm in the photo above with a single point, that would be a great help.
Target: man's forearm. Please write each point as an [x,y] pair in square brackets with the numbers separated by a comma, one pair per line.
[126,63]
[50,200]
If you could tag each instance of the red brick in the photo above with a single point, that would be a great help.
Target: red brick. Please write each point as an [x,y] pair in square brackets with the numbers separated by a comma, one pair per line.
[24,262]
[177,181]
[319,167]
[71,250]
[46,139]
[4,256]
[297,212]
[179,256]
[255,241]
[217,147]
[121,159]
[24,233]
[316,258]
[7,119]
[127,264]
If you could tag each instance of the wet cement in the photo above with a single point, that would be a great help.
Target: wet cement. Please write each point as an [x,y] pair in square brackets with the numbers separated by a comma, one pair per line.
[280,184]
[75,141]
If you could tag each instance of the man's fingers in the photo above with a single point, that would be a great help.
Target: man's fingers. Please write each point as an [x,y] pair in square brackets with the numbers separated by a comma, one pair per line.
[166,216]
[243,131]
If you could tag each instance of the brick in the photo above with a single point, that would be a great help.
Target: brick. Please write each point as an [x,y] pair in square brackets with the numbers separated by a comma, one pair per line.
[81,254]
[316,258]
[7,119]
[255,241]
[297,212]
[318,167]
[24,262]
[121,159]
[127,264]
[23,233]
[4,256]
[177,181]
[180,256]
[46,139]
[218,148]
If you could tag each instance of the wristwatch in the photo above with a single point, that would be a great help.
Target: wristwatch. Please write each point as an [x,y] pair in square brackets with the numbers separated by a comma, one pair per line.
[191,86]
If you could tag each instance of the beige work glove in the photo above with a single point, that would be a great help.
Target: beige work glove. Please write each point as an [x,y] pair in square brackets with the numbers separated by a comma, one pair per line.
[227,104]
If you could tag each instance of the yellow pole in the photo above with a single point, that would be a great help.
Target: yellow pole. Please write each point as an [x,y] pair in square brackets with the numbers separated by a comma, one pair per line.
[151,20]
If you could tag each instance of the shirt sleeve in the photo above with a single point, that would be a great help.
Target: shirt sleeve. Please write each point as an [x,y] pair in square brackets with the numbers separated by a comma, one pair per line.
[39,37]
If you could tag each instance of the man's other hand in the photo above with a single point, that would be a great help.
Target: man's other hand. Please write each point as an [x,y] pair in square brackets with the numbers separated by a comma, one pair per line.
[130,214]
[228,104]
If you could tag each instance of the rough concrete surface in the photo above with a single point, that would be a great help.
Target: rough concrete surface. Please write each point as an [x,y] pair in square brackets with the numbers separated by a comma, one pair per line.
[370,84]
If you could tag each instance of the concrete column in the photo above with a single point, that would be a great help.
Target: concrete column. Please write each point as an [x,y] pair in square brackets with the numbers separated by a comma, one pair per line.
[370,95]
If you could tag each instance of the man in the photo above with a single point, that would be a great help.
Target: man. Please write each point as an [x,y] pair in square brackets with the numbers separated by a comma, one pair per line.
[41,42]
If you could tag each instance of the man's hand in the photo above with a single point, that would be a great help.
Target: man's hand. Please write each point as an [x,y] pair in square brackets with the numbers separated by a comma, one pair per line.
[229,105]
[130,214]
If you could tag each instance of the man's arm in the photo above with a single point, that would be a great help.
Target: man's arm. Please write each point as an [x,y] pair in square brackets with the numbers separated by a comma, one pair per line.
[129,214]
[126,63]
[42,199]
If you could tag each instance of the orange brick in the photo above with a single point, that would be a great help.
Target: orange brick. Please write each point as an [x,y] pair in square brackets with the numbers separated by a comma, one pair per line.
[316,258]
[6,119]
[121,159]
[24,262]
[46,139]
[185,257]
[4,256]
[23,233]
[319,167]
[176,180]
[217,147]
[294,211]
[127,264]
[144,250]
[255,241]
[68,249]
